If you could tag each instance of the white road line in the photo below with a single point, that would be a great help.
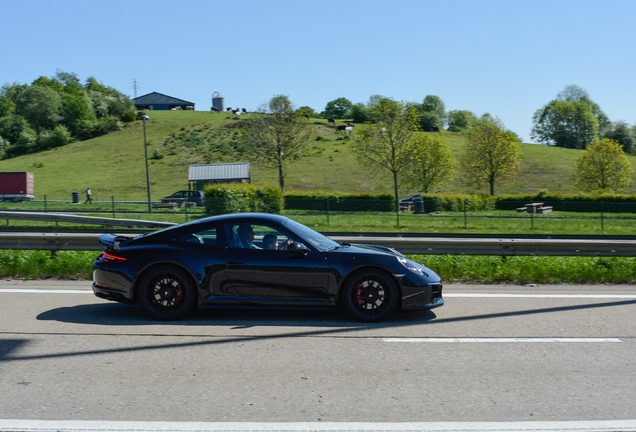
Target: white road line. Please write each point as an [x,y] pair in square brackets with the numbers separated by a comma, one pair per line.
[504,295]
[43,291]
[500,340]
[139,426]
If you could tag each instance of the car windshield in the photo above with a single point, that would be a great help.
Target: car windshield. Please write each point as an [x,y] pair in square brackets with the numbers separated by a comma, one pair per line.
[317,240]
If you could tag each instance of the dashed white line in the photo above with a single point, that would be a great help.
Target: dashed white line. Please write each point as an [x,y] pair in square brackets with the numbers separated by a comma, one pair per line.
[501,340]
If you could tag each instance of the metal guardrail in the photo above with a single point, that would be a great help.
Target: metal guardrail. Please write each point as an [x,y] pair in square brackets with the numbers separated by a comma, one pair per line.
[407,245]
[95,220]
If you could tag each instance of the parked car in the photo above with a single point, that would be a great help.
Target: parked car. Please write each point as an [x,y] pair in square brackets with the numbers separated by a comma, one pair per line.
[191,196]
[406,204]
[258,259]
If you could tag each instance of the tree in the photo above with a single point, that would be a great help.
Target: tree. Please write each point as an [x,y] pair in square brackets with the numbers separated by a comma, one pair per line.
[339,109]
[308,111]
[277,135]
[432,162]
[385,143]
[603,167]
[40,105]
[624,134]
[492,155]
[359,113]
[572,120]
[460,120]
[568,124]
[435,104]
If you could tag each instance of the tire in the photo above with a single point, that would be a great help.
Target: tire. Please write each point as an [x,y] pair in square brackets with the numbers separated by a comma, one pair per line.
[167,294]
[370,296]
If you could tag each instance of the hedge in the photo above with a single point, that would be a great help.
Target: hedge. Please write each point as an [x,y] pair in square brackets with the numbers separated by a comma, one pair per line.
[240,198]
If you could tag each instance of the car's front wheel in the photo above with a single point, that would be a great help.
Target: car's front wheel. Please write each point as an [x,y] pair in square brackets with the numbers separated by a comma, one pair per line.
[167,294]
[370,296]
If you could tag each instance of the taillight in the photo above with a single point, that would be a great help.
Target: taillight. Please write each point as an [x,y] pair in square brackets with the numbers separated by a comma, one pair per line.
[104,257]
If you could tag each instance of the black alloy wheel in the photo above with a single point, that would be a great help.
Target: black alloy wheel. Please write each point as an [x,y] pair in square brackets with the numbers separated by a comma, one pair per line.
[370,296]
[167,294]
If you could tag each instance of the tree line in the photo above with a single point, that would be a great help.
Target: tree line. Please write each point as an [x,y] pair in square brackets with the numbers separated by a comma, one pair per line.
[392,140]
[52,112]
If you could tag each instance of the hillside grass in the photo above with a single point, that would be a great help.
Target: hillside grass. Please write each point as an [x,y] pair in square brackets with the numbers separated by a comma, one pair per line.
[113,165]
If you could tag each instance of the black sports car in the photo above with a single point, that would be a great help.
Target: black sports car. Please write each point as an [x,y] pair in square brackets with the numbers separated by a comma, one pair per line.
[258,259]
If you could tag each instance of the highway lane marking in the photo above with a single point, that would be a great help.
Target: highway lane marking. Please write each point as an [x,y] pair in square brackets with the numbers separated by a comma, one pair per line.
[43,291]
[501,340]
[446,295]
[505,295]
[159,426]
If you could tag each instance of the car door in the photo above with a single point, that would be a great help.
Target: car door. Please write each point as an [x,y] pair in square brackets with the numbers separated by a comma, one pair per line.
[263,274]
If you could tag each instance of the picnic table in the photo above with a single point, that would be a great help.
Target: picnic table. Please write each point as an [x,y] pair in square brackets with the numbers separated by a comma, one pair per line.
[535,208]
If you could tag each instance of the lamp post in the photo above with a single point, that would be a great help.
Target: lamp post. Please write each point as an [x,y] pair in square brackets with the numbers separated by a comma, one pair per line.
[144,119]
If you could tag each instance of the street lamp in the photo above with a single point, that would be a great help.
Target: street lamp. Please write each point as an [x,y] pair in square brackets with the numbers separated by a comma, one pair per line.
[144,119]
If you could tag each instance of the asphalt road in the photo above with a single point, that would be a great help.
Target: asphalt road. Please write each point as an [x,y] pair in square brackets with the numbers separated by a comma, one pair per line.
[492,353]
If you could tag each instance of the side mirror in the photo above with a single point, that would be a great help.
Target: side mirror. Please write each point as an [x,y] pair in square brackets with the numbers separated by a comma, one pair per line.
[299,247]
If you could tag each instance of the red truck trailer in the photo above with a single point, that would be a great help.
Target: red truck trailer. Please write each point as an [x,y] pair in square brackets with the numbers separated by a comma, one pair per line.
[17,186]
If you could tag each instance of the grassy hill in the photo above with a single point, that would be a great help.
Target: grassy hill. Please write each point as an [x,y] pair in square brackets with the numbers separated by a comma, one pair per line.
[113,165]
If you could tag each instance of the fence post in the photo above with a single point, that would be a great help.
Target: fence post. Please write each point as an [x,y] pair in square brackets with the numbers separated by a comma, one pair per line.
[531,215]
[45,205]
[185,209]
[465,216]
[327,210]
[602,221]
[112,198]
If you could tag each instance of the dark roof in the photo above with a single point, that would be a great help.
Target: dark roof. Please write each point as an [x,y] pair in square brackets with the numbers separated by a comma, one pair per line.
[155,98]
[227,172]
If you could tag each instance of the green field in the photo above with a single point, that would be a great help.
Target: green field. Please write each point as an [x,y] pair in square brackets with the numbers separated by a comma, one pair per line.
[113,165]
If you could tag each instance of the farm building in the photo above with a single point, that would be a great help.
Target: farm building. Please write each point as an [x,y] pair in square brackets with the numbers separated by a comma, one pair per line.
[200,175]
[157,101]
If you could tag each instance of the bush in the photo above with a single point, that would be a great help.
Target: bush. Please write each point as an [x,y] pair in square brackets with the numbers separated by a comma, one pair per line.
[239,198]
[607,202]
[340,202]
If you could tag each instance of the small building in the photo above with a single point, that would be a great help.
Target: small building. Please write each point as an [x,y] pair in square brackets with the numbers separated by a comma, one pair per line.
[156,101]
[201,175]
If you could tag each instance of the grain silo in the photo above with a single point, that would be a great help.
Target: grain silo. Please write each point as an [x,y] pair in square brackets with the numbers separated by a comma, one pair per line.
[218,102]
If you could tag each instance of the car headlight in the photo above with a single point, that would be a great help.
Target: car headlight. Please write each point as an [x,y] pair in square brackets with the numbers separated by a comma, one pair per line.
[411,265]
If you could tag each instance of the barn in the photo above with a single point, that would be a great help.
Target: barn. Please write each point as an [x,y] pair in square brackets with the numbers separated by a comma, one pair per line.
[156,101]
[201,175]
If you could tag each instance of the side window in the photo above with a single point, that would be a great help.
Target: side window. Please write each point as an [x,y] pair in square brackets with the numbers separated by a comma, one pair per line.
[254,236]
[206,237]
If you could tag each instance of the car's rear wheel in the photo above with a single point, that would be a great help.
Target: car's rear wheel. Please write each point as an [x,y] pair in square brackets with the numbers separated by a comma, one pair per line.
[167,293]
[370,296]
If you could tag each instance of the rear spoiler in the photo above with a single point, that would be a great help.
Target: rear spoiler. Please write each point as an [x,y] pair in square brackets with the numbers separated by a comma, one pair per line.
[112,241]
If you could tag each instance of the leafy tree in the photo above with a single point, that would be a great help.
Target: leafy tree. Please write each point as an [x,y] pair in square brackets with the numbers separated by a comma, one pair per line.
[386,143]
[40,105]
[359,113]
[603,167]
[277,136]
[432,162]
[75,108]
[430,120]
[572,120]
[569,124]
[623,134]
[58,137]
[339,108]
[435,104]
[460,120]
[308,111]
[492,155]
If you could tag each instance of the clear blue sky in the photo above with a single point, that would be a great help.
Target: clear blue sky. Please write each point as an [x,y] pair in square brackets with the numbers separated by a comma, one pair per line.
[504,57]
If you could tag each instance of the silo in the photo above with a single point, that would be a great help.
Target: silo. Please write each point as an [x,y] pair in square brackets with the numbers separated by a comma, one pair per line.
[218,102]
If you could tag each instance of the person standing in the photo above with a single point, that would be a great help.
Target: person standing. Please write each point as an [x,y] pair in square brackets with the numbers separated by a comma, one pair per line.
[88,196]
